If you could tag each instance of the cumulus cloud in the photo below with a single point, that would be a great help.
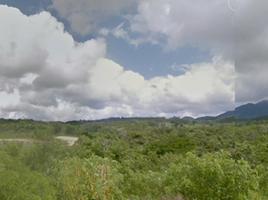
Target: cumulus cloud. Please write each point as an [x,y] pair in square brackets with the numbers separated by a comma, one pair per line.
[251,50]
[170,23]
[54,77]
[84,15]
[173,24]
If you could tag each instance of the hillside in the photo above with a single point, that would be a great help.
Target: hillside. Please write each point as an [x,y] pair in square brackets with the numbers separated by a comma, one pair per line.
[247,111]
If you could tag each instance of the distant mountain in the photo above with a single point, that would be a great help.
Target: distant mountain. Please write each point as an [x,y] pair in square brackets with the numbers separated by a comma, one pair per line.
[250,110]
[247,111]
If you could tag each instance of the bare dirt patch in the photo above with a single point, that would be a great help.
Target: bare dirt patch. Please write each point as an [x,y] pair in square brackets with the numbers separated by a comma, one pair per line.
[70,140]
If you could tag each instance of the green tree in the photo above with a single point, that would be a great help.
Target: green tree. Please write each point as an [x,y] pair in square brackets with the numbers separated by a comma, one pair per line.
[18,182]
[93,178]
[214,177]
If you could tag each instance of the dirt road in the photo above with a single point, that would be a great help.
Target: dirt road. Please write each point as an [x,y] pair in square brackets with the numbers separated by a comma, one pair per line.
[70,140]
[18,140]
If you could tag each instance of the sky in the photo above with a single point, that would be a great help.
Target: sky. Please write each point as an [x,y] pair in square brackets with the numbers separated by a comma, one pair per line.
[66,60]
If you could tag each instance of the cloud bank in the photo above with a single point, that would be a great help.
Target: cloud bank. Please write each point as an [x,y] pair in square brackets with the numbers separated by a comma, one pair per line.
[236,33]
[46,75]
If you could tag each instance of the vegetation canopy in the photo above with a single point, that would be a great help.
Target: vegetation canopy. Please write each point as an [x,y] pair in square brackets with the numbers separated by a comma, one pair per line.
[135,158]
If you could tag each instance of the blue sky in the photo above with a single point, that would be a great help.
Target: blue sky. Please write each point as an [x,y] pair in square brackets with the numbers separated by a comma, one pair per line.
[86,59]
[147,59]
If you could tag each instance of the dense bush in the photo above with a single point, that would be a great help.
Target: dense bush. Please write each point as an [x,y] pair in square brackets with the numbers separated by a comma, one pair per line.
[215,176]
[137,158]
[17,181]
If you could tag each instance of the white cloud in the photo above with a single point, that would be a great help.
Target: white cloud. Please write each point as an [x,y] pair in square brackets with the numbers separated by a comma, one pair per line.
[85,15]
[9,99]
[170,23]
[120,32]
[251,50]
[207,24]
[173,24]
[56,78]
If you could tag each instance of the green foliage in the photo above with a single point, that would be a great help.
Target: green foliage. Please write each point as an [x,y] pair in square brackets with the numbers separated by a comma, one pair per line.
[170,144]
[18,182]
[69,129]
[93,178]
[136,158]
[214,176]
[57,128]
[13,148]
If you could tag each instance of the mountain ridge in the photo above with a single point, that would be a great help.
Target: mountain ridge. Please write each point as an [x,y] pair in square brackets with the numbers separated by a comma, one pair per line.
[245,111]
